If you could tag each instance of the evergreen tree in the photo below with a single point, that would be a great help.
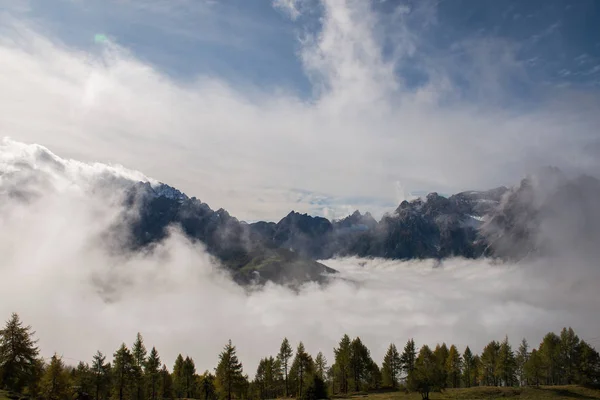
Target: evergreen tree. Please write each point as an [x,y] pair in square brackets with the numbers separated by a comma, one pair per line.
[284,356]
[178,377]
[321,365]
[342,363]
[152,373]
[588,367]
[166,383]
[189,377]
[55,383]
[505,364]
[453,367]
[469,367]
[83,380]
[534,368]
[426,375]
[360,362]
[316,389]
[521,360]
[139,360]
[123,373]
[229,372]
[392,365]
[489,360]
[301,368]
[100,376]
[33,388]
[477,367]
[408,357]
[569,344]
[18,354]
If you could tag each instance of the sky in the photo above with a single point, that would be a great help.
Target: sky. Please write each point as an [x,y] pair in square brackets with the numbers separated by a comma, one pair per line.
[263,107]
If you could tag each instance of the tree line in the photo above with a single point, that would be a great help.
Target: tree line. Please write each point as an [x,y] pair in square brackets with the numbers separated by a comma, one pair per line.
[138,374]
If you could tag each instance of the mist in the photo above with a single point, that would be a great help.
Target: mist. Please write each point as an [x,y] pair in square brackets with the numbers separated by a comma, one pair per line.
[57,272]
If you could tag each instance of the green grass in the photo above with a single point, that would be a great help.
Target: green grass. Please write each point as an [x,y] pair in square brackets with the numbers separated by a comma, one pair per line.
[489,393]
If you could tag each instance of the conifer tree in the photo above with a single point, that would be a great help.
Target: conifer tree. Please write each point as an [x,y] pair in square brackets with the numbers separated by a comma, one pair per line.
[166,383]
[408,357]
[18,354]
[469,367]
[427,375]
[178,377]
[533,368]
[569,344]
[520,360]
[441,355]
[189,377]
[55,383]
[321,365]
[549,351]
[588,364]
[391,367]
[100,375]
[505,364]
[207,386]
[453,367]
[83,380]
[284,356]
[229,372]
[152,373]
[123,373]
[360,362]
[301,368]
[139,360]
[489,359]
[342,363]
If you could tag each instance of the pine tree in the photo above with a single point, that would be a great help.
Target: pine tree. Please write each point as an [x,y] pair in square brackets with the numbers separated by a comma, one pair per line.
[123,373]
[505,364]
[469,367]
[408,357]
[139,360]
[392,365]
[152,373]
[301,368]
[342,363]
[101,375]
[189,377]
[321,365]
[521,359]
[18,354]
[453,367]
[229,372]
[55,383]
[284,356]
[178,377]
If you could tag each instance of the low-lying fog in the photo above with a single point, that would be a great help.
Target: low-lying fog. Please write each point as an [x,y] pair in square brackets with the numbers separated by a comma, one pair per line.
[53,264]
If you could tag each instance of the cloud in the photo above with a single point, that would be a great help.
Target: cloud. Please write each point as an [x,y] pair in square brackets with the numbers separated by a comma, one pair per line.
[57,273]
[365,129]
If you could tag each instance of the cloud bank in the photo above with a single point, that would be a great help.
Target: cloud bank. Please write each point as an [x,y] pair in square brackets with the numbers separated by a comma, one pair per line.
[57,273]
[366,130]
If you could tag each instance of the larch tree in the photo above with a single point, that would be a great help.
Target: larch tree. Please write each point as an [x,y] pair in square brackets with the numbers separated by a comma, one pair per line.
[453,367]
[152,372]
[441,355]
[55,383]
[549,351]
[83,380]
[178,377]
[342,363]
[392,366]
[360,363]
[284,356]
[506,364]
[166,383]
[533,368]
[18,354]
[100,371]
[489,360]
[520,360]
[300,369]
[139,352]
[408,357]
[569,344]
[123,373]
[588,364]
[229,372]
[427,375]
[321,365]
[469,367]
[207,386]
[189,377]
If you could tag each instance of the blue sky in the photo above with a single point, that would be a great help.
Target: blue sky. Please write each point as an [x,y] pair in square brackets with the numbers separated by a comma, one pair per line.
[250,103]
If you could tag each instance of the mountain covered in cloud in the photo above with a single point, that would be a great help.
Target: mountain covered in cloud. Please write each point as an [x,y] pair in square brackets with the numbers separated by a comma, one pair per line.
[547,213]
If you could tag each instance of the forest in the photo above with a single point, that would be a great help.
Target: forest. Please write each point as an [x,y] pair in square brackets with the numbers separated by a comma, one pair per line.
[136,373]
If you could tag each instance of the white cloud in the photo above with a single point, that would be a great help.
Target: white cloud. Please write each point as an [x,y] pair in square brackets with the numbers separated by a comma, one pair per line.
[364,131]
[290,7]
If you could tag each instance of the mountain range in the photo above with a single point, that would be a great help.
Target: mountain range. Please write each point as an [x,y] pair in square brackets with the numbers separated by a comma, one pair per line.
[544,213]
